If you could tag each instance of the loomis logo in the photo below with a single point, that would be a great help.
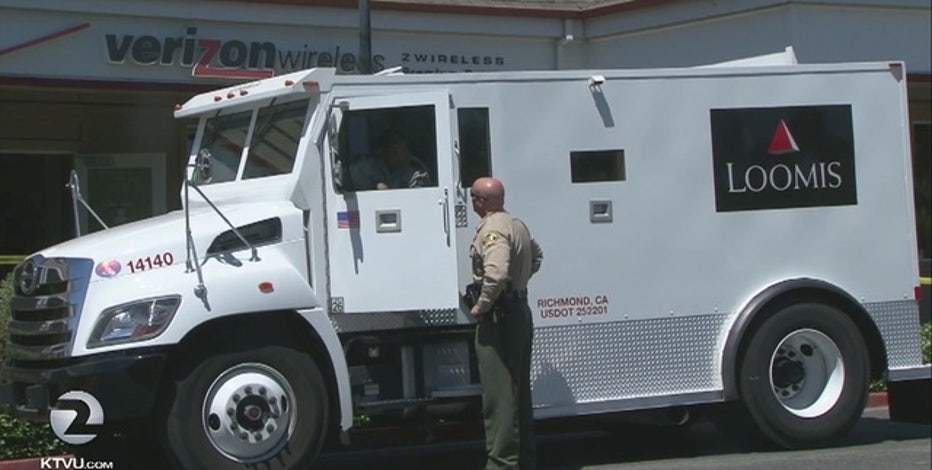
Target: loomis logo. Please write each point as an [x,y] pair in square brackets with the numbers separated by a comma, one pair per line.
[77,417]
[774,158]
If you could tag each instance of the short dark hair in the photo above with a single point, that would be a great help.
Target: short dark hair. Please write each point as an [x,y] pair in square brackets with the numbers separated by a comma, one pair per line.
[390,138]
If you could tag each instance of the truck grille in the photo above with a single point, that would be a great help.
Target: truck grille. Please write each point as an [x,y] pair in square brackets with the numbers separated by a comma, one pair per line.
[45,308]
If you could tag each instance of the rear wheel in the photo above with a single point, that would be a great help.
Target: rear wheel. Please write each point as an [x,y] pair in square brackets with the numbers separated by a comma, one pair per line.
[804,377]
[265,407]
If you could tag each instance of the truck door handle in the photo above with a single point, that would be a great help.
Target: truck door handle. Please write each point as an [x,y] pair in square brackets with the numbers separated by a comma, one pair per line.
[445,212]
[388,221]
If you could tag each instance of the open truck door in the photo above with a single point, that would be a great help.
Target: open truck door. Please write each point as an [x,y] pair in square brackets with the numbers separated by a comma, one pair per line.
[390,236]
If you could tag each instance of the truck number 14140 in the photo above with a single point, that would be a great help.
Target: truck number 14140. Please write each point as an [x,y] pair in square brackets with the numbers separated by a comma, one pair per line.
[150,262]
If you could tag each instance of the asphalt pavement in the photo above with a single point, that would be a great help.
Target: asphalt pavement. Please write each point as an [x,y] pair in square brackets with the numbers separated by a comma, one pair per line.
[874,443]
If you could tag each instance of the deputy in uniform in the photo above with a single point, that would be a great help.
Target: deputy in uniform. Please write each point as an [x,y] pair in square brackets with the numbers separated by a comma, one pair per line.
[504,257]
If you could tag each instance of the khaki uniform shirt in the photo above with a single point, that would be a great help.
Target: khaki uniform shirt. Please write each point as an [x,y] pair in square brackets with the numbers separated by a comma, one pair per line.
[502,251]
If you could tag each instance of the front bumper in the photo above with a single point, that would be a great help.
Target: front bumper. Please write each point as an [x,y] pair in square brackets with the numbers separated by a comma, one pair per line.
[125,384]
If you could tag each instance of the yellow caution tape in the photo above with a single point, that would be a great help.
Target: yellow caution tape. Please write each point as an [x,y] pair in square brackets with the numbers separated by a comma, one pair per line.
[12,259]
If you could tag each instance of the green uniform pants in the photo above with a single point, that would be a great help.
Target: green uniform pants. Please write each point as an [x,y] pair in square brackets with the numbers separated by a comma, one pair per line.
[503,349]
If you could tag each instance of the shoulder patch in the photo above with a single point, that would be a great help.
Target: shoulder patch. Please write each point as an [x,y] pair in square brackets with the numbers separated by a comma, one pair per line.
[490,239]
[492,236]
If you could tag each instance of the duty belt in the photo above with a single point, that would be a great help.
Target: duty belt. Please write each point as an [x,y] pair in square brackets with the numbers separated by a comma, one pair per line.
[520,294]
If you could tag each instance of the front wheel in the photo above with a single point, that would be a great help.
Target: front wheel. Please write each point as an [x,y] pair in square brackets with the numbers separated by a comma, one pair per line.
[805,375]
[264,408]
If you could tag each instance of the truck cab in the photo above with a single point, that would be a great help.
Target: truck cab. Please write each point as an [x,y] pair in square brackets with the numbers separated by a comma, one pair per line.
[276,252]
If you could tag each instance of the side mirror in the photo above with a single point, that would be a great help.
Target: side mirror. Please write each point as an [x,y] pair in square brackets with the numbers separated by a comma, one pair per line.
[203,166]
[333,124]
[339,174]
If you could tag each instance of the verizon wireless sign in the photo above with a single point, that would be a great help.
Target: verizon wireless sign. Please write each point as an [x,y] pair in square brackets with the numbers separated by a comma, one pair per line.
[777,158]
[231,58]
[211,57]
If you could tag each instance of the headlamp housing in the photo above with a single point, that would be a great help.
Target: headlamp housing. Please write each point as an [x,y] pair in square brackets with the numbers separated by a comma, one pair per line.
[134,321]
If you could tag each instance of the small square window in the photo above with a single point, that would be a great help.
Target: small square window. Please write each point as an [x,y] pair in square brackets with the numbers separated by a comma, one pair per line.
[597,165]
[474,144]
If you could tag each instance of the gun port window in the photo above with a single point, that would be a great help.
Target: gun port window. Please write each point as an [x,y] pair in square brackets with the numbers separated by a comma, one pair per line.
[389,148]
[474,144]
[597,165]
[275,139]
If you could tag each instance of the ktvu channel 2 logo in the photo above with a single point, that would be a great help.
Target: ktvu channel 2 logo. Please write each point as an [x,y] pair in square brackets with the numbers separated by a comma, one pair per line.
[77,418]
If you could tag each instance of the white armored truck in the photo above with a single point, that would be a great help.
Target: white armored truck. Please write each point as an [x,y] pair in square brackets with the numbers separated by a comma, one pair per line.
[732,235]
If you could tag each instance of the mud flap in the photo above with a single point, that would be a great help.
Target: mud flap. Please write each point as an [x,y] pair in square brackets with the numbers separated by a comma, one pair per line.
[910,400]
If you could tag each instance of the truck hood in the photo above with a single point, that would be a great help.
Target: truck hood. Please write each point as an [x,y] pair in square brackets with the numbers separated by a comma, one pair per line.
[160,241]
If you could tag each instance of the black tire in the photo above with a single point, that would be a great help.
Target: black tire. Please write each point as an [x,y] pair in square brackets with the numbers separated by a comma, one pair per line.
[188,419]
[790,382]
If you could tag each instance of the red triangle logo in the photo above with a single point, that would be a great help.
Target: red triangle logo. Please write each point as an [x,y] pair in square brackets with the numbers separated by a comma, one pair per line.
[783,141]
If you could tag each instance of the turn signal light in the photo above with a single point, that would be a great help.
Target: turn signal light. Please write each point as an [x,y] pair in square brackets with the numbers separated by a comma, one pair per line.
[266,287]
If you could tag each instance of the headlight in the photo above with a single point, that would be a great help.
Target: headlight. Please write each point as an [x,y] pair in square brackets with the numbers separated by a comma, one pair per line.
[134,321]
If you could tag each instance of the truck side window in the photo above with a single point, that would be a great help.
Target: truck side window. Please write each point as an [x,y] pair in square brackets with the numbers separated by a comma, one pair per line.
[225,137]
[474,144]
[390,148]
[275,139]
[597,165]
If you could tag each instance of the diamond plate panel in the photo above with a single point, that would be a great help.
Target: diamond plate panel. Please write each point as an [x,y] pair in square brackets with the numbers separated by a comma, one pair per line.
[371,321]
[898,323]
[460,212]
[610,361]
[336,305]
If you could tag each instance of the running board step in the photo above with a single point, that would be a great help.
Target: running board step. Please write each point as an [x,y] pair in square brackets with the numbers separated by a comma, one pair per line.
[439,396]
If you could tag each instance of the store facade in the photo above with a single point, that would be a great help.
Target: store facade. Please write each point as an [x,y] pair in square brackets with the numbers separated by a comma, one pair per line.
[90,86]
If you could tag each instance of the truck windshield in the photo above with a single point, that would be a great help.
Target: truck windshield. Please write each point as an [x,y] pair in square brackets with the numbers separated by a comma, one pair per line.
[273,145]
[225,137]
[275,139]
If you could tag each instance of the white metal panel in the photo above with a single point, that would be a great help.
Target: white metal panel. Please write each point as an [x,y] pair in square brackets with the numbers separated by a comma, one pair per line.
[415,268]
[668,252]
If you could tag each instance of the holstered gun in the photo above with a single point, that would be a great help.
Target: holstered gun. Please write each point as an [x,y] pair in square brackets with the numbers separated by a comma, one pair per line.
[471,296]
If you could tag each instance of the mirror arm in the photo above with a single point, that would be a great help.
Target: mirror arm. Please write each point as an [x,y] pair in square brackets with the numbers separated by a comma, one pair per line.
[252,248]
[75,186]
[200,291]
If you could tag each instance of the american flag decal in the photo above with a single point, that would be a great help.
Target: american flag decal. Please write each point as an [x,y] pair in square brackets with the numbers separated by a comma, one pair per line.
[348,219]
